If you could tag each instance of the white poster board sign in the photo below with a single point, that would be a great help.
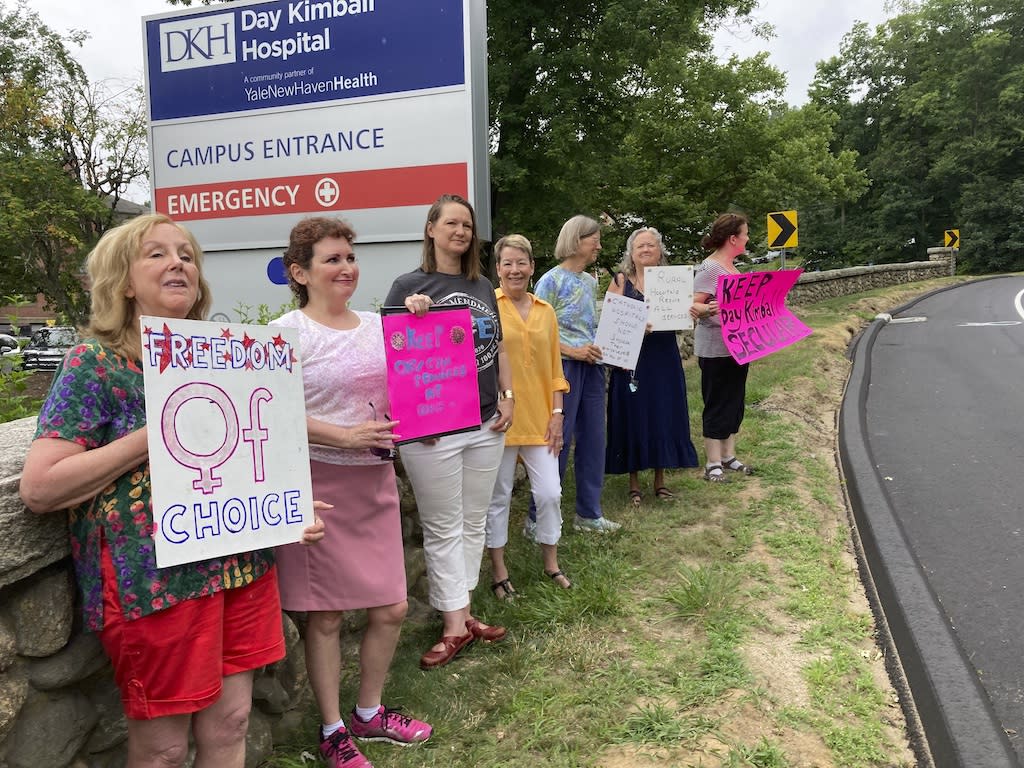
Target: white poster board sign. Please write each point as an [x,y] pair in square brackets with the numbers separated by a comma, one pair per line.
[620,332]
[669,295]
[228,451]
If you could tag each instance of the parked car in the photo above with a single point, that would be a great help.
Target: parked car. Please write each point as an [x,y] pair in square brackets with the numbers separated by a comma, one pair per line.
[9,353]
[47,347]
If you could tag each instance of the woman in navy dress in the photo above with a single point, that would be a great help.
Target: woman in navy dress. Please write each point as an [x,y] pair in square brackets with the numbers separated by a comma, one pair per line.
[648,418]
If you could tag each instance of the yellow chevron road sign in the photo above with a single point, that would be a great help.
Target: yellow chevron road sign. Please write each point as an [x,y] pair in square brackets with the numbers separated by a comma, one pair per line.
[782,229]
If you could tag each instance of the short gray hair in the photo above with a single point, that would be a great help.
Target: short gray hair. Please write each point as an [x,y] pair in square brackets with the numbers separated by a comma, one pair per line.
[574,230]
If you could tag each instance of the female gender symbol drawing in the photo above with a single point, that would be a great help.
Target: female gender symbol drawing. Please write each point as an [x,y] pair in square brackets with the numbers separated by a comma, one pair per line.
[205,463]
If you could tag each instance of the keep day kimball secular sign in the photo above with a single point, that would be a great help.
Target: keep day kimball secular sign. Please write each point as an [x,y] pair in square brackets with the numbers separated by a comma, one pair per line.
[755,320]
[228,452]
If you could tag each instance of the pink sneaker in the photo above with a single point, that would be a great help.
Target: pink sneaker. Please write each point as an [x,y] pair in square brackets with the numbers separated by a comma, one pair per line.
[390,725]
[339,752]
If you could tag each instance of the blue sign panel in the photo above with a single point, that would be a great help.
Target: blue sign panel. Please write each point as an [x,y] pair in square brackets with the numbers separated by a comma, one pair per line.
[252,56]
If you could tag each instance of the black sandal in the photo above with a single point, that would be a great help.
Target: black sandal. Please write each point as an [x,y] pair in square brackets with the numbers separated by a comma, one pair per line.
[635,498]
[556,576]
[736,465]
[508,592]
[663,493]
[714,473]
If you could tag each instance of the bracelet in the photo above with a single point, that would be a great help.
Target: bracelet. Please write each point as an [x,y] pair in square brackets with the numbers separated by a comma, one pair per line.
[557,412]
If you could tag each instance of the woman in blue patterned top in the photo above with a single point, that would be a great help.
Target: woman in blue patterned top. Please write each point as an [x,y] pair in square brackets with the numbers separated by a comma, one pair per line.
[573,294]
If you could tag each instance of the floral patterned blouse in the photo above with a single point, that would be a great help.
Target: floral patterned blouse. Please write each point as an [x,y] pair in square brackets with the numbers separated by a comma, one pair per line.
[96,397]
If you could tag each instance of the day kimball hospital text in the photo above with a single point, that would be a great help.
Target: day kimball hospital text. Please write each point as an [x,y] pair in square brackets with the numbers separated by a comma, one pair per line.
[214,42]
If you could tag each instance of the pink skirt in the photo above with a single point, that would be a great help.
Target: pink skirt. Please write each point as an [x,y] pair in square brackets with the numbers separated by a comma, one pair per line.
[360,562]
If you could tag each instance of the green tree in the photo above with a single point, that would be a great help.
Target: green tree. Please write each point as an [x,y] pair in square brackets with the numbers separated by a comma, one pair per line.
[621,109]
[68,151]
[933,103]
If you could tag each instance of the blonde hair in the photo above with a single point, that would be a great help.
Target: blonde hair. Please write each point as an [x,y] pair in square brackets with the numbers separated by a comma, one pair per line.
[112,317]
[574,230]
[513,241]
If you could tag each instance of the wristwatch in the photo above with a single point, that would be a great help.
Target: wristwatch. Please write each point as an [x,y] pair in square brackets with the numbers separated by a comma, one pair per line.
[506,394]
[559,411]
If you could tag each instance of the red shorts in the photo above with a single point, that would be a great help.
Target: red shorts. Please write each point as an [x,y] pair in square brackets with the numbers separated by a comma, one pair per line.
[172,662]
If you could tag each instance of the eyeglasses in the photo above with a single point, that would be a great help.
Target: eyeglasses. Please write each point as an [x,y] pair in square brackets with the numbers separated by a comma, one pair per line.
[384,454]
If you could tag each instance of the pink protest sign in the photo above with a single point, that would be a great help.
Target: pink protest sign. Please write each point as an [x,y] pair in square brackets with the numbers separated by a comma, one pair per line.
[432,383]
[755,321]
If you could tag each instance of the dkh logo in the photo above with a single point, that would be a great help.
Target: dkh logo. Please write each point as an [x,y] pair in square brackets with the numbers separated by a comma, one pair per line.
[197,41]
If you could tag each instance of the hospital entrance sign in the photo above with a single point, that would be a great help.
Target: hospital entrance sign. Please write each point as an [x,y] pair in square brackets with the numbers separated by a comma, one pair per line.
[261,113]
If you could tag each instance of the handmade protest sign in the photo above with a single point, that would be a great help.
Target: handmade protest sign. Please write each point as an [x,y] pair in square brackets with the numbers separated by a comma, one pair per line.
[228,453]
[432,382]
[668,292]
[620,331]
[755,321]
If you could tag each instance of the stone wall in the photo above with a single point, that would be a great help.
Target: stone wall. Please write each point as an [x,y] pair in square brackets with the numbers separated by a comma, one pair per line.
[58,703]
[819,286]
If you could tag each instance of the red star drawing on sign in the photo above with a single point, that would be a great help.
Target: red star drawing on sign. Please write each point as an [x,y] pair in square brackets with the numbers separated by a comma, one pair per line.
[165,349]
[225,333]
[247,341]
[278,341]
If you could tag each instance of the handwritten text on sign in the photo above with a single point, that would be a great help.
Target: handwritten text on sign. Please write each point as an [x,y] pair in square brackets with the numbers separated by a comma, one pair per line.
[755,321]
[221,400]
[669,295]
[432,382]
[620,332]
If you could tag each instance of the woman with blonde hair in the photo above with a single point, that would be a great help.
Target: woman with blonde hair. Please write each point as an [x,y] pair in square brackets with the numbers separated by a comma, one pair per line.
[531,339]
[183,640]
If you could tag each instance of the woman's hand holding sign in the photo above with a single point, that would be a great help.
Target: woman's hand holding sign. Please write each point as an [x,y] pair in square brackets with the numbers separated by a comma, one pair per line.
[370,434]
[418,304]
[710,309]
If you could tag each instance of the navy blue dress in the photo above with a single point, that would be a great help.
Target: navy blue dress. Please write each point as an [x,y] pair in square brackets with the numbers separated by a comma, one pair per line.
[649,428]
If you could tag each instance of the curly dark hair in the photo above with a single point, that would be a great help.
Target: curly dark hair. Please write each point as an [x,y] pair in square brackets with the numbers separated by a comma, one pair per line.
[303,237]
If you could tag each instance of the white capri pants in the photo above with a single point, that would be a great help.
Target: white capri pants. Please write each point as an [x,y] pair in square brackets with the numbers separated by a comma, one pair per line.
[542,469]
[453,481]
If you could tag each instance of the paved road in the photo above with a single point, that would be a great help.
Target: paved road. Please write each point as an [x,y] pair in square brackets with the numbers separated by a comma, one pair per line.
[941,421]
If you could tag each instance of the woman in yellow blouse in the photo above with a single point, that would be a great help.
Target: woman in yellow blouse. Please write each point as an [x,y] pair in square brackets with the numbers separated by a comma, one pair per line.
[530,330]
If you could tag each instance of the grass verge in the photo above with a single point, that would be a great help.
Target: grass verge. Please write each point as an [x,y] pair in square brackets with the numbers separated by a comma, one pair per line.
[726,627]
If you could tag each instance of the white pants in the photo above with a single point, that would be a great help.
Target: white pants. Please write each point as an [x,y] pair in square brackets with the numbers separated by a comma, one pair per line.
[453,481]
[542,469]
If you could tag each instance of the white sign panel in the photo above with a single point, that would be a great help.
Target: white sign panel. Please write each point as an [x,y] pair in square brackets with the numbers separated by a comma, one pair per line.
[668,292]
[620,332]
[228,450]
[265,111]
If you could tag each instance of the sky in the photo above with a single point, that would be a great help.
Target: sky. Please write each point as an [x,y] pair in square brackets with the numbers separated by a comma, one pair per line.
[807,31]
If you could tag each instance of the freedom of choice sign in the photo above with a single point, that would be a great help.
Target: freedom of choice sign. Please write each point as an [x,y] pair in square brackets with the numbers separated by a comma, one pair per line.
[263,112]
[228,449]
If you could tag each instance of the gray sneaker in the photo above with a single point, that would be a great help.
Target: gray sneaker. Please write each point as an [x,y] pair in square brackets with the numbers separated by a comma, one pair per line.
[530,530]
[595,524]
